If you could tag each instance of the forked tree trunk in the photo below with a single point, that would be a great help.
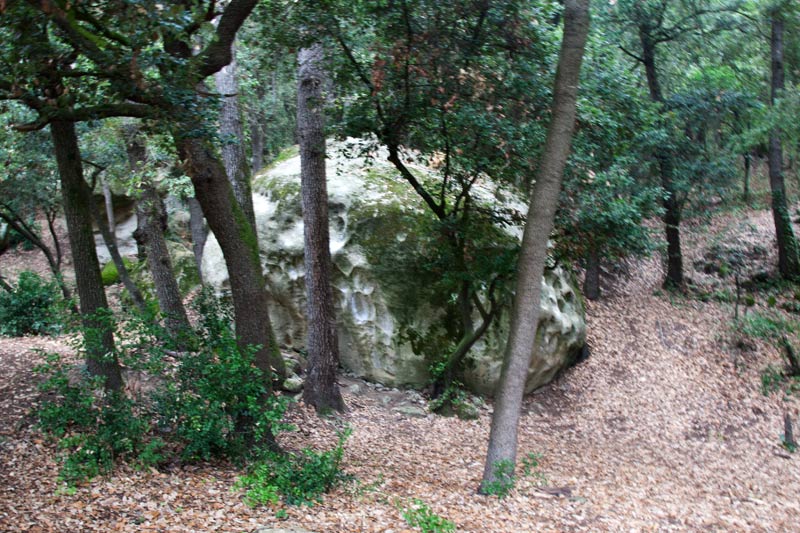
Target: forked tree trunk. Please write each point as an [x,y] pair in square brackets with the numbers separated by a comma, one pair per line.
[231,132]
[237,239]
[101,359]
[502,449]
[321,389]
[788,254]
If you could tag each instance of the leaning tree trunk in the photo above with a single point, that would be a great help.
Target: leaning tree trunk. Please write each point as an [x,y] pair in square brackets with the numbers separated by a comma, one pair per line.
[101,359]
[321,389]
[113,250]
[237,239]
[230,126]
[788,254]
[152,222]
[502,449]
[150,210]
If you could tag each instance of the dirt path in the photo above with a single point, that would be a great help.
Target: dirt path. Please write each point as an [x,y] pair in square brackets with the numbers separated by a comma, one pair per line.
[660,429]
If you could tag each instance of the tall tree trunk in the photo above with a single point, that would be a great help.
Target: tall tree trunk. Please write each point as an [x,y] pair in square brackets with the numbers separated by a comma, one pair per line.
[533,254]
[230,125]
[199,232]
[150,209]
[152,223]
[788,257]
[671,203]
[239,245]
[321,389]
[591,281]
[101,359]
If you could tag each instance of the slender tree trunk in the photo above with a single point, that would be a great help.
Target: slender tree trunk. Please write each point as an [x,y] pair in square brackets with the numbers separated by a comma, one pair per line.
[230,125]
[788,257]
[109,202]
[533,254]
[101,359]
[111,243]
[152,223]
[4,285]
[239,246]
[591,281]
[257,142]
[746,188]
[199,232]
[671,204]
[150,209]
[53,261]
[321,389]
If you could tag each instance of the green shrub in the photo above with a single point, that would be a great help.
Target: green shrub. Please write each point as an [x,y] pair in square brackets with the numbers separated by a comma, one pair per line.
[110,274]
[767,326]
[504,479]
[94,429]
[31,308]
[299,478]
[210,403]
[418,514]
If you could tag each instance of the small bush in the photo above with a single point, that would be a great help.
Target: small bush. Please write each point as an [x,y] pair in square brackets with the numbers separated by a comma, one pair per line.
[300,478]
[766,326]
[504,479]
[421,516]
[32,307]
[94,429]
[209,403]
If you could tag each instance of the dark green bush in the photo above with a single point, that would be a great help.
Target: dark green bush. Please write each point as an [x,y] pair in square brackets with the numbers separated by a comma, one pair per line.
[299,478]
[94,429]
[32,307]
[208,403]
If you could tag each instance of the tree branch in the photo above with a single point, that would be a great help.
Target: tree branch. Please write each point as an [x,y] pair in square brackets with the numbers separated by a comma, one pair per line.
[48,114]
[218,53]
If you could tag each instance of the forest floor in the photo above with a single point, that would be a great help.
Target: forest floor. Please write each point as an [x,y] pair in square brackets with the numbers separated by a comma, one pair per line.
[664,427]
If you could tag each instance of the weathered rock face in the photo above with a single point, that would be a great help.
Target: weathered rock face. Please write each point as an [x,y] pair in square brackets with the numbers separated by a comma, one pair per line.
[369,207]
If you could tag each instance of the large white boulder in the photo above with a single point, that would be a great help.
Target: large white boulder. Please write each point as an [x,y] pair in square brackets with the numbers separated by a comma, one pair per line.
[371,206]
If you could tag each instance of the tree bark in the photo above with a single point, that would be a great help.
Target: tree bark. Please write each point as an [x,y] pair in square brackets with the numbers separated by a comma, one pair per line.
[321,389]
[788,256]
[111,243]
[150,209]
[591,281]
[152,223]
[671,204]
[502,446]
[199,232]
[230,126]
[101,359]
[239,245]
[109,203]
[746,187]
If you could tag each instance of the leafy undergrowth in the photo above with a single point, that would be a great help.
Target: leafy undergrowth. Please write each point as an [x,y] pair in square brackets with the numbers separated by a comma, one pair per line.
[665,426]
